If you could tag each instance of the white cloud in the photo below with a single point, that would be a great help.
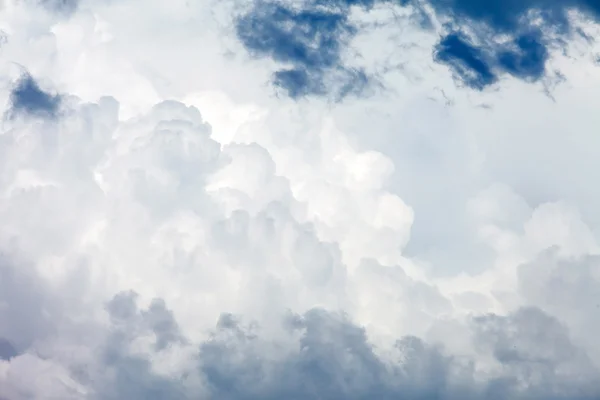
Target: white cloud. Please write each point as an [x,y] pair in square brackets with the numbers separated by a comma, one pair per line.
[178,231]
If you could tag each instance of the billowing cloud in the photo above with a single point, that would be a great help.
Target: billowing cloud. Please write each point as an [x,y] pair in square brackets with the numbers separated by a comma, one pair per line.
[171,228]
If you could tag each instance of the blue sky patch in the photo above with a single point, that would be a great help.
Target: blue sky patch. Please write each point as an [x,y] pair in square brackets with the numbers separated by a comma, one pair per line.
[478,67]
[527,59]
[467,61]
[28,98]
[310,39]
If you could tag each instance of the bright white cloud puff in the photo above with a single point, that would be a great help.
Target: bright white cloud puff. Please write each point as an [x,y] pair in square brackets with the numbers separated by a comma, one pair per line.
[323,199]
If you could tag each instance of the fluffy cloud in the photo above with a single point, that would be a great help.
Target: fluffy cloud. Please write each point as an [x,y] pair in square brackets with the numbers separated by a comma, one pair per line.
[171,227]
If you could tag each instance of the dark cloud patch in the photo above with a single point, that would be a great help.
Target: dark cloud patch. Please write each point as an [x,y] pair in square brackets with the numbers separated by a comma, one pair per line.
[527,337]
[324,355]
[29,99]
[60,6]
[127,375]
[334,360]
[27,313]
[537,349]
[7,350]
[156,319]
[132,378]
[162,323]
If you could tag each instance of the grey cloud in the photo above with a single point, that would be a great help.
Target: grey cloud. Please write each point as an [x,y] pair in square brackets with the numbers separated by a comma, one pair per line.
[124,374]
[26,310]
[565,286]
[568,288]
[122,307]
[334,360]
[7,351]
[159,320]
[324,355]
[529,336]
[131,377]
[536,353]
[162,323]
[60,6]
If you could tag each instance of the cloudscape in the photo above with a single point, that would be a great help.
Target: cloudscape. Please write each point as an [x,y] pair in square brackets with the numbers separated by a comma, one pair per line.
[300,199]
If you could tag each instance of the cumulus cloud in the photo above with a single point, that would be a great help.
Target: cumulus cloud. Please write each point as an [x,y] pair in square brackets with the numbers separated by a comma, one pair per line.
[174,229]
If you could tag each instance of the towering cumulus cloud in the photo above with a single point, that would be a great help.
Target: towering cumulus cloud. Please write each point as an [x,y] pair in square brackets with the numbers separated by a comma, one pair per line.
[264,199]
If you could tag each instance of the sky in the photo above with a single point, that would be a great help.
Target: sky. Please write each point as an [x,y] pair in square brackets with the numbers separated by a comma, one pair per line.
[308,199]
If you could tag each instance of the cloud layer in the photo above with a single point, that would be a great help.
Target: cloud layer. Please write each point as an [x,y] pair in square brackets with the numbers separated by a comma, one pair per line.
[174,228]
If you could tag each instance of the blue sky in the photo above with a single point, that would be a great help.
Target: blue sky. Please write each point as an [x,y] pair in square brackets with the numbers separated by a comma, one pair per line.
[26,97]
[313,199]
[480,42]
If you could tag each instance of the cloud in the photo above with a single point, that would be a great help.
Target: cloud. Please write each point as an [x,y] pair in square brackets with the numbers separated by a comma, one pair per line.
[7,351]
[63,6]
[323,354]
[334,359]
[176,230]
[317,353]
